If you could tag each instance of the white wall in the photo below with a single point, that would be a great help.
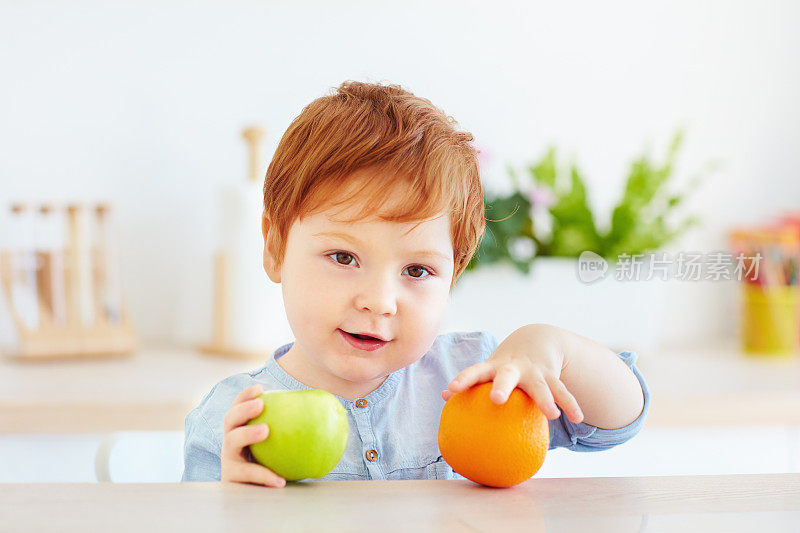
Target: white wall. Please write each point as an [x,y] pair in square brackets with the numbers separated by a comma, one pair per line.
[142,103]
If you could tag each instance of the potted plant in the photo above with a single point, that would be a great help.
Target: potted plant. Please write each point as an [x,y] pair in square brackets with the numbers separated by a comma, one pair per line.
[526,262]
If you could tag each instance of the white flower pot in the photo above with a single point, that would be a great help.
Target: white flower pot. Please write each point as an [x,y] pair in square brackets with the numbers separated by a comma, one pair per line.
[620,314]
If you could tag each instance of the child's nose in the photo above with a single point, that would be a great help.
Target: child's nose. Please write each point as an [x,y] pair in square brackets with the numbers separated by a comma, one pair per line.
[378,296]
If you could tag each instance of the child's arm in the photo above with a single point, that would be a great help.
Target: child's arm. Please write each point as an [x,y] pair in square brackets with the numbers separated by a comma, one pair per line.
[555,366]
[608,392]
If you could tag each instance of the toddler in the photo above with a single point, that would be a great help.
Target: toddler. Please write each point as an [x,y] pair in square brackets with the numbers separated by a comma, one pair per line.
[373,207]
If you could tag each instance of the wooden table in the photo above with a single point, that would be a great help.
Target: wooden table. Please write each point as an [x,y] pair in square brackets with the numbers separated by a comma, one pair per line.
[154,390]
[653,504]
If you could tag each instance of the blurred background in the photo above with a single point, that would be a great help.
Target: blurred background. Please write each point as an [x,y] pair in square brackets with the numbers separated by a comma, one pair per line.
[139,108]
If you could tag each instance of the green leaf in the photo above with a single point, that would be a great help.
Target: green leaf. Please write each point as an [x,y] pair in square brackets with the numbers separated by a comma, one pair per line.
[634,221]
[544,172]
[573,225]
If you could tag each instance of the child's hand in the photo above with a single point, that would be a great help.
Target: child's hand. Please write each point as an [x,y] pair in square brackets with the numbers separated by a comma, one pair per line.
[238,435]
[530,359]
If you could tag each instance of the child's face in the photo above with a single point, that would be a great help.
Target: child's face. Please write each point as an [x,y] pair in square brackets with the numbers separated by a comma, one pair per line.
[377,282]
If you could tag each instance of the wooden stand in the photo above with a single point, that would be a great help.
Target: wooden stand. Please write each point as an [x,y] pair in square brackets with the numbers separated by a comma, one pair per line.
[220,342]
[51,340]
[253,136]
[74,316]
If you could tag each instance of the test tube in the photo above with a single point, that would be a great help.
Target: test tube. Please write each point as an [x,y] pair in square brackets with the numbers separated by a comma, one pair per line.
[80,266]
[50,252]
[24,293]
[107,291]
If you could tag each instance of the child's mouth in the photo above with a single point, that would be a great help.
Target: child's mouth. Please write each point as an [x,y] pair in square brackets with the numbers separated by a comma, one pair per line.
[362,342]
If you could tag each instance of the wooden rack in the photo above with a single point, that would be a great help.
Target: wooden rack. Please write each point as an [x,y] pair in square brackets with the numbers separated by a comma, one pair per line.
[74,313]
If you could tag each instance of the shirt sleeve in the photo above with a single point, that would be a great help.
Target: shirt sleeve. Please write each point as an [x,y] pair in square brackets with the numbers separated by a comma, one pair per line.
[201,451]
[587,438]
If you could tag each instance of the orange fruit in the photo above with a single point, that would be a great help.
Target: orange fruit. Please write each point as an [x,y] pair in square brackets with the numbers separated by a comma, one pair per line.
[490,444]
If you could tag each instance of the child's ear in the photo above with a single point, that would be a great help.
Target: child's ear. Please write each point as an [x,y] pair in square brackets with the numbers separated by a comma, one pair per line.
[269,258]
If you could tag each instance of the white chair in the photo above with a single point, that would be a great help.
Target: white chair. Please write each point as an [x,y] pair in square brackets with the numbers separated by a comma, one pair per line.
[140,457]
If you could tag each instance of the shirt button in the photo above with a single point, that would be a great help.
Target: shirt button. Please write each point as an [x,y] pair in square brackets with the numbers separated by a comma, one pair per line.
[371,455]
[361,402]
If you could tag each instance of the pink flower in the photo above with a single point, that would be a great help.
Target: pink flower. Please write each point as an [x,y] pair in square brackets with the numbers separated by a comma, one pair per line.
[541,197]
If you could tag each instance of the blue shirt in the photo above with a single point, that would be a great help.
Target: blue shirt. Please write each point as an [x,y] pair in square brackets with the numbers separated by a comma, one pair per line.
[394,434]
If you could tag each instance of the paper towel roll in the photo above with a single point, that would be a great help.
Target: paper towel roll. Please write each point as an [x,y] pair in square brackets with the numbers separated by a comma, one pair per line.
[256,316]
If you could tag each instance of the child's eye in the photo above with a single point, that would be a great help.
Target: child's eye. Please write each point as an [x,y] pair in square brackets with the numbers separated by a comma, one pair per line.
[415,271]
[418,268]
[338,254]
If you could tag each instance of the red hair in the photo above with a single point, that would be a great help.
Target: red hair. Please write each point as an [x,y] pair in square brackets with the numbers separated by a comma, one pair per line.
[383,127]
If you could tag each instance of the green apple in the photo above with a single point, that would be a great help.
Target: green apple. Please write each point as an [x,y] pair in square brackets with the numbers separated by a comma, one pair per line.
[308,433]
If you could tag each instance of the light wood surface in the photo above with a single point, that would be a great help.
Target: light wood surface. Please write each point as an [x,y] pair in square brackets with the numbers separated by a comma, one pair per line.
[154,389]
[732,503]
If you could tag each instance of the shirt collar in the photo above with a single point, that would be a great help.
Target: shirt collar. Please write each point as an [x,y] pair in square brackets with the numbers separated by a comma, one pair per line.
[373,398]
